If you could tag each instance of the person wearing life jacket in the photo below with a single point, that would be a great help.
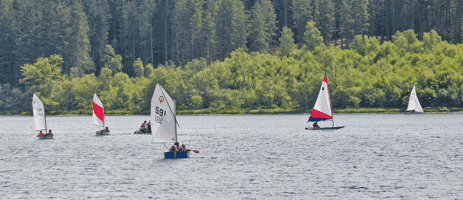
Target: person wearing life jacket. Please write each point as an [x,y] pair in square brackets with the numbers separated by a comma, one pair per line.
[183,148]
[315,125]
[143,127]
[40,134]
[49,132]
[174,147]
[149,127]
[107,130]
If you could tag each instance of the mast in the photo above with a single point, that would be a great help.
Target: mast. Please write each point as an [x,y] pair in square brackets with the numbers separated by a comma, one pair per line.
[175,117]
[103,116]
[45,117]
[176,131]
[331,104]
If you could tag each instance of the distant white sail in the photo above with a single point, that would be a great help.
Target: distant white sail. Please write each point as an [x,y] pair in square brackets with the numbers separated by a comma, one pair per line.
[98,111]
[163,120]
[413,102]
[39,114]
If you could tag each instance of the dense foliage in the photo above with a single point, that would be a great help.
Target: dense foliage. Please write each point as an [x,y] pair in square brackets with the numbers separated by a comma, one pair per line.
[179,31]
[369,74]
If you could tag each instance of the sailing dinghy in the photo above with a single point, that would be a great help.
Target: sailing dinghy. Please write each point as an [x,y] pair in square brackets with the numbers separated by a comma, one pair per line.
[39,117]
[414,106]
[98,116]
[322,109]
[164,121]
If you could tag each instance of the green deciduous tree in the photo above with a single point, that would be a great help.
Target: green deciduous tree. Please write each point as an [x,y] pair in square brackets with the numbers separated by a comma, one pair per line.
[43,71]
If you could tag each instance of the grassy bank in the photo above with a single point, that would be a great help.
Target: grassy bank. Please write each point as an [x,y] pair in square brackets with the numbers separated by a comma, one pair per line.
[237,111]
[293,111]
[245,111]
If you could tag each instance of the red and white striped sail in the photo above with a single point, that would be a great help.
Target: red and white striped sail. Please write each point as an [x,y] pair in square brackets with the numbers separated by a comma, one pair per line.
[98,111]
[322,109]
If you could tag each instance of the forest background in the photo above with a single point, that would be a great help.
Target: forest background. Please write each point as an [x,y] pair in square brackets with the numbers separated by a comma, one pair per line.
[230,56]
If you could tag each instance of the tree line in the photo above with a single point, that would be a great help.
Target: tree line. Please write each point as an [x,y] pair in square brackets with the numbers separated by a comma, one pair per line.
[368,74]
[175,32]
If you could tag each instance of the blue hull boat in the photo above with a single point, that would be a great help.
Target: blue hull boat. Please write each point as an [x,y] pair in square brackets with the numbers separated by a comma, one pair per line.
[177,154]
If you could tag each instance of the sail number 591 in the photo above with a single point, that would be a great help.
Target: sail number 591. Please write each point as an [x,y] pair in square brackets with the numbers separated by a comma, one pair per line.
[160,112]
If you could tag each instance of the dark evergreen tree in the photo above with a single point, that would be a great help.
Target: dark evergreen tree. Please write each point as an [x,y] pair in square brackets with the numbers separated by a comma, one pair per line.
[325,19]
[230,27]
[187,28]
[262,26]
[302,13]
[208,48]
[98,19]
[9,71]
[162,32]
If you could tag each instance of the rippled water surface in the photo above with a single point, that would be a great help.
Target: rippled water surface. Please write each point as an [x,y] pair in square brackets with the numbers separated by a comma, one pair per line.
[240,157]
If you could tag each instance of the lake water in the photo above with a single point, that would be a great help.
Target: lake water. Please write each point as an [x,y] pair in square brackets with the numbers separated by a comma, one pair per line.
[240,157]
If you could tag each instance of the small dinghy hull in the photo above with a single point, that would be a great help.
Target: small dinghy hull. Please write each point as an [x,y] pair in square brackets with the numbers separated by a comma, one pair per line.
[413,113]
[46,137]
[102,132]
[139,132]
[324,128]
[177,154]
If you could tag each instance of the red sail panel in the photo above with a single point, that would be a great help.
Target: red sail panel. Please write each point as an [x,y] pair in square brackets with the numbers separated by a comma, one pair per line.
[320,115]
[98,111]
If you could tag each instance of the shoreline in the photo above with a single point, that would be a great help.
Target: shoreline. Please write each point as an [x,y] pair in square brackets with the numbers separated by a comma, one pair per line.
[274,111]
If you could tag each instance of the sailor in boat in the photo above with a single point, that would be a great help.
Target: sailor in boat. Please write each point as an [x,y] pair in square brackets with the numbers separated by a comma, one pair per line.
[107,130]
[174,147]
[315,125]
[183,148]
[143,127]
[149,127]
[40,134]
[49,132]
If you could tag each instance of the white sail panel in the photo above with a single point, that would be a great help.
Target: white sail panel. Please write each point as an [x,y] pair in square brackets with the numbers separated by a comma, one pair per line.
[323,100]
[163,116]
[414,103]
[98,111]
[38,110]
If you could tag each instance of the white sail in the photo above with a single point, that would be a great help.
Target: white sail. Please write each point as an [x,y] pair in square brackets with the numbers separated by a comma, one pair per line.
[413,102]
[322,108]
[98,111]
[163,120]
[39,114]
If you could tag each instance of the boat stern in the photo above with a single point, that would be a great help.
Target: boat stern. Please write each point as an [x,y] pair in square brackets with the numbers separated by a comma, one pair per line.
[177,154]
